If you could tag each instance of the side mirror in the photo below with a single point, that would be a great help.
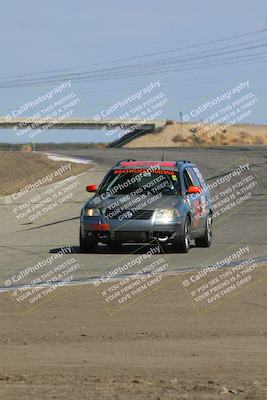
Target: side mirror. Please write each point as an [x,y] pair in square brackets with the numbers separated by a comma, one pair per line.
[91,188]
[194,190]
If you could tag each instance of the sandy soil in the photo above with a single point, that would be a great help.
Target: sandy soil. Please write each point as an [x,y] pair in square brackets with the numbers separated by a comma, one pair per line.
[158,348]
[181,135]
[28,168]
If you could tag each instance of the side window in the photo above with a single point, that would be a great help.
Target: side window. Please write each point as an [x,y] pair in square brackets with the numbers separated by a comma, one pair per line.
[187,179]
[193,177]
[201,179]
[199,175]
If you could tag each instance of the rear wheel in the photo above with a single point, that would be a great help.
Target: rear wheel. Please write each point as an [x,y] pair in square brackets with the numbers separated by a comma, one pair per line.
[182,245]
[87,245]
[206,240]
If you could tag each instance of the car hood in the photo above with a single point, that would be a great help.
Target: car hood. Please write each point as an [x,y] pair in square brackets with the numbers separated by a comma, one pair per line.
[148,202]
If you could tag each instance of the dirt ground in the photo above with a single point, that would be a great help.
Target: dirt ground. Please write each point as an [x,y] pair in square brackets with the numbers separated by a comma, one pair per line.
[158,348]
[27,168]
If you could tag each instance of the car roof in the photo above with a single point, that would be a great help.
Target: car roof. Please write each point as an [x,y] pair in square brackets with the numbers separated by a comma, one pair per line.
[173,165]
[147,163]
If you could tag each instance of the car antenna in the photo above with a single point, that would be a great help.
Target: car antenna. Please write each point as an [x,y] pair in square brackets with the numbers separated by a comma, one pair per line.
[163,151]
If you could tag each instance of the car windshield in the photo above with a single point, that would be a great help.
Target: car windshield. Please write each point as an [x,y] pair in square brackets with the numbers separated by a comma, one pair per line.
[124,181]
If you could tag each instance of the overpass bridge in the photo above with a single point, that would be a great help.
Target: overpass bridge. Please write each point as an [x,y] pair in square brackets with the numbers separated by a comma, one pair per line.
[80,123]
[133,127]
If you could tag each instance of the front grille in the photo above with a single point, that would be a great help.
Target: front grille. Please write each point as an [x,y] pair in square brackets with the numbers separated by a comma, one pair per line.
[143,214]
[129,214]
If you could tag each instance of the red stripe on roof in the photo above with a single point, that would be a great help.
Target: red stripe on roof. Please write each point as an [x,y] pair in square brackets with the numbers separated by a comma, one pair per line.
[148,163]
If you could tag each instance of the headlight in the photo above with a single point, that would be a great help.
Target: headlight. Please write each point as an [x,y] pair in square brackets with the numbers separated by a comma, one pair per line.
[91,212]
[166,214]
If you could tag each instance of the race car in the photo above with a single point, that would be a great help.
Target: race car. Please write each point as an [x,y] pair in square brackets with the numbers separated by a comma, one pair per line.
[146,201]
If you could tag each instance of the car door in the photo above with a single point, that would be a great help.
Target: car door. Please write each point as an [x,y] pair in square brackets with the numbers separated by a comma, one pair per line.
[196,201]
[205,189]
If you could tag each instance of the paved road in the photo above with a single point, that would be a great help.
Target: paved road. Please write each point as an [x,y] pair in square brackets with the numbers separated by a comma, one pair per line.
[25,244]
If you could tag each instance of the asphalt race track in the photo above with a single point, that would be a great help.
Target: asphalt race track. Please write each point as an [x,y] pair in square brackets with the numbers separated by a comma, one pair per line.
[24,244]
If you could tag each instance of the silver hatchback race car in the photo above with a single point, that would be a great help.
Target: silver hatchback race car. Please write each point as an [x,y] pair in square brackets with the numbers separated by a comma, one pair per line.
[142,201]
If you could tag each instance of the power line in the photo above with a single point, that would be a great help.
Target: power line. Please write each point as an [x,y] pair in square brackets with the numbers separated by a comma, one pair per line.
[97,75]
[144,55]
[140,68]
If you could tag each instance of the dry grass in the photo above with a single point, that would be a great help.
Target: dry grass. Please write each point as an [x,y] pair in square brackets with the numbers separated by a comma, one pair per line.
[18,169]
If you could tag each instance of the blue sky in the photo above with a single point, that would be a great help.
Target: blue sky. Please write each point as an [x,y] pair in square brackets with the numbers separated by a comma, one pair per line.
[86,35]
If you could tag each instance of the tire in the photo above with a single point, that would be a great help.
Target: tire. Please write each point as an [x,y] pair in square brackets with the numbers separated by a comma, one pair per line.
[182,245]
[87,245]
[206,240]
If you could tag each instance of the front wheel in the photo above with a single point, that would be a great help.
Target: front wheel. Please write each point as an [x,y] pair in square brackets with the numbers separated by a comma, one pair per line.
[182,245]
[87,245]
[206,239]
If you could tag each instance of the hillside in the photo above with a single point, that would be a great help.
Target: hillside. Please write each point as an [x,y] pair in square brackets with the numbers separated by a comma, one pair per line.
[187,135]
[18,169]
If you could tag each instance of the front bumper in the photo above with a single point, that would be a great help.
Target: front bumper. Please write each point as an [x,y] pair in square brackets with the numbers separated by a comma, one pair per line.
[129,230]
